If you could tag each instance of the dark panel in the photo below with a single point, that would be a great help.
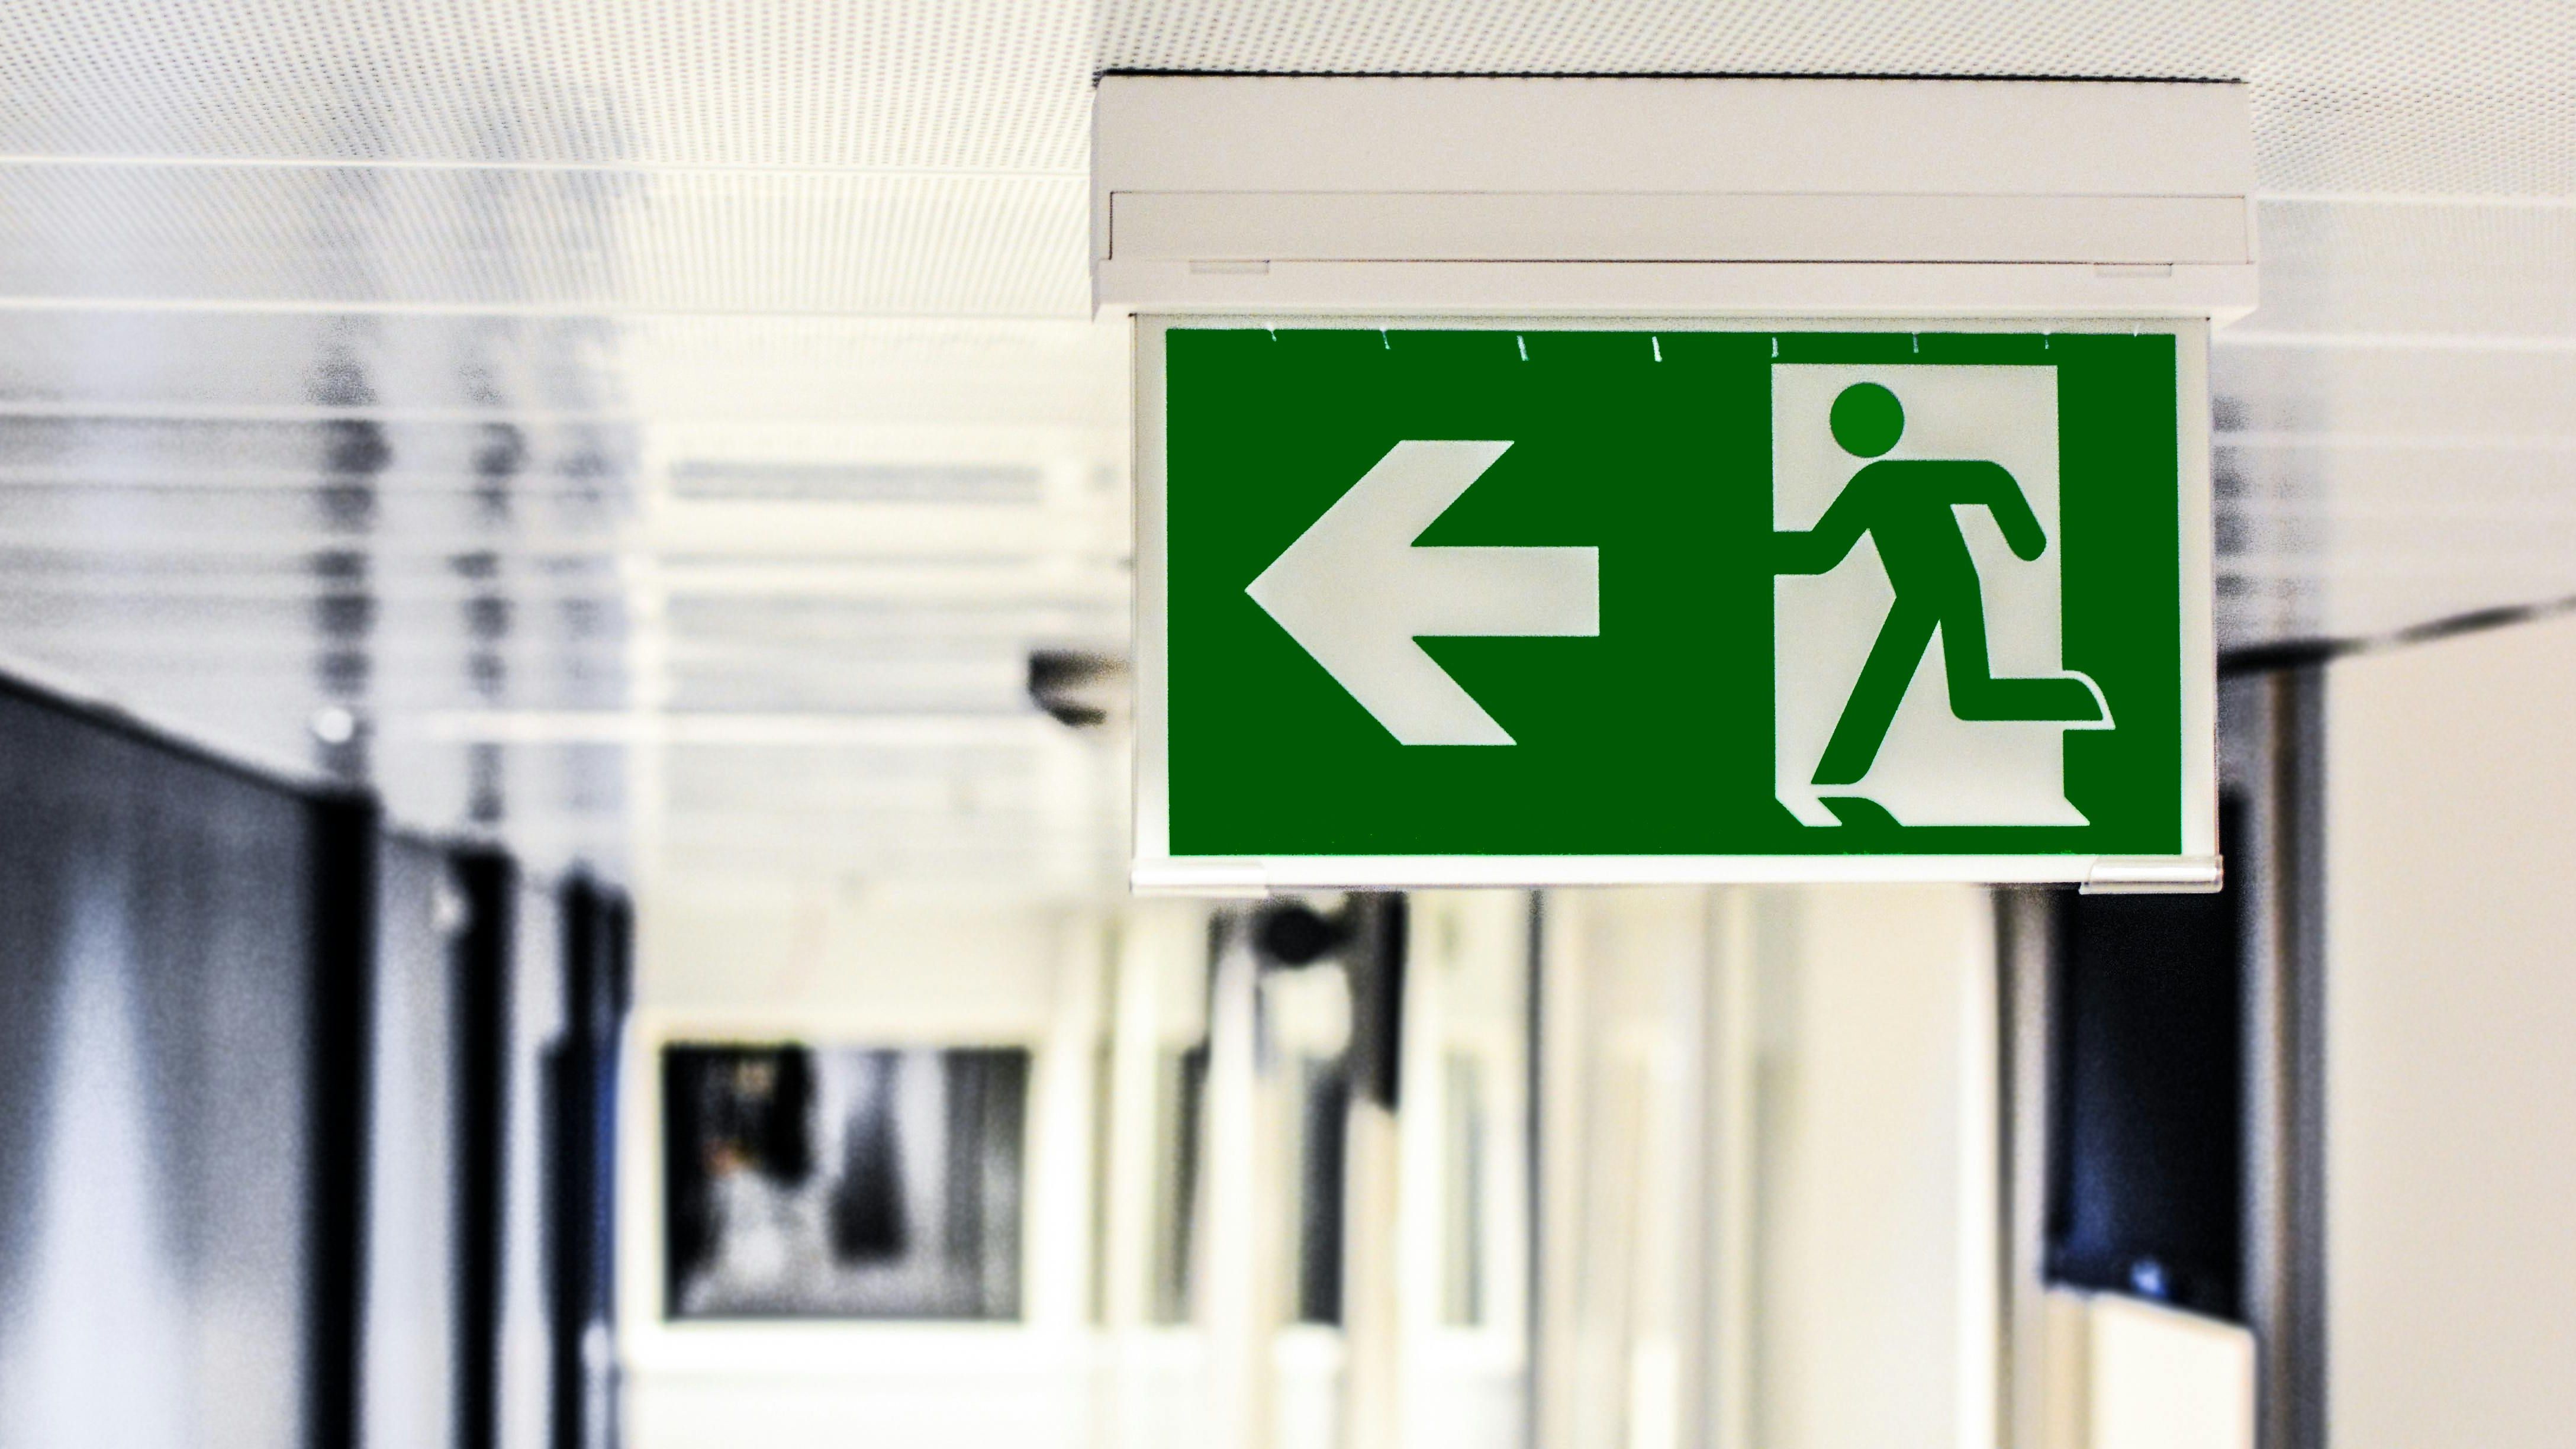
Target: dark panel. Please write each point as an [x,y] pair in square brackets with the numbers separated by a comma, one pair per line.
[1323,1186]
[2146,1121]
[584,1097]
[160,1173]
[483,960]
[1375,959]
[344,834]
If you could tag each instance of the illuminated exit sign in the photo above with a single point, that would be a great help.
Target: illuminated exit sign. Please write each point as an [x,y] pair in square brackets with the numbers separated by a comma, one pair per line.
[1495,602]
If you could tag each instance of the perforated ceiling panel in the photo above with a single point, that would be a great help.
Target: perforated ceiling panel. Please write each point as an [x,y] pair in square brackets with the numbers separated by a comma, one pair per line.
[607,242]
[681,423]
[2350,95]
[920,85]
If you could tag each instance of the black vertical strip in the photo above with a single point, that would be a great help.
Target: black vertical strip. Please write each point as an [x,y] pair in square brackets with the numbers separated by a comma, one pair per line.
[1323,1187]
[2146,1119]
[617,964]
[574,1180]
[596,984]
[2296,1370]
[344,882]
[567,1213]
[686,1233]
[1375,960]
[489,883]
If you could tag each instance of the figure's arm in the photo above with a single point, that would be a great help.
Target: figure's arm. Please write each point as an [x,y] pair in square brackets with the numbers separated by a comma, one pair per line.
[1818,549]
[1988,485]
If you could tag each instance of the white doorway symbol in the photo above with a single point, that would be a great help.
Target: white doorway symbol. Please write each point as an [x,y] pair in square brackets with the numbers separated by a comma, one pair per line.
[1933,768]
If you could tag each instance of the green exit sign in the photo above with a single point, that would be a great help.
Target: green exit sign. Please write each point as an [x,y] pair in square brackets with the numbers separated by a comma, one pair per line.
[1500,602]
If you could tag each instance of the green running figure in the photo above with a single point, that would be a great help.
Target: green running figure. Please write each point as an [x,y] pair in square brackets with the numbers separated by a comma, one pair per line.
[1906,505]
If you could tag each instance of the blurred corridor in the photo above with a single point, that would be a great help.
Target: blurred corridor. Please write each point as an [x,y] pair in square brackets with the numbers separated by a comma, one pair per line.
[568,589]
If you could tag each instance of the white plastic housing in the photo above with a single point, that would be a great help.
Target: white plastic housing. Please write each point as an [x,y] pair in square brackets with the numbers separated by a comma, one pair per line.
[1672,197]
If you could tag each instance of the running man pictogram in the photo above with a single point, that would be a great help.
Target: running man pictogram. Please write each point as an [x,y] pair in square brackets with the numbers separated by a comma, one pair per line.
[1907,507]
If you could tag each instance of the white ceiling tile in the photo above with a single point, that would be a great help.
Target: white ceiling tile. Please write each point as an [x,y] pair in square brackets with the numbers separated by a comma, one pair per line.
[603,242]
[995,85]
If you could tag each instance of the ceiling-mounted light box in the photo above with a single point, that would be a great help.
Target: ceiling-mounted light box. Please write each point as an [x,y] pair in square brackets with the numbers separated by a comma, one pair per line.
[1616,480]
[1636,197]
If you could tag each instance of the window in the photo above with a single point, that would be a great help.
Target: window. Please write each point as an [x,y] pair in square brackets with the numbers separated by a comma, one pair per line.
[843,1182]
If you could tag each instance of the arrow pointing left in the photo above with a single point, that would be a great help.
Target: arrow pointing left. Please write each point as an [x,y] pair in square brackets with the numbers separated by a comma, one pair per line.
[1356,592]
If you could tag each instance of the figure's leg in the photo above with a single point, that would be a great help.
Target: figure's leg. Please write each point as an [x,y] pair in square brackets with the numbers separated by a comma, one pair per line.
[1975,694]
[1875,696]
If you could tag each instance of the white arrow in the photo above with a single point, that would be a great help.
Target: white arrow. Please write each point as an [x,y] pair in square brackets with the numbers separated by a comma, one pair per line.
[1356,593]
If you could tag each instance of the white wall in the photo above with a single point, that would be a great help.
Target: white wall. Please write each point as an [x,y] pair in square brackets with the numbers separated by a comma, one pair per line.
[1773,1218]
[819,962]
[412,1287]
[823,967]
[2450,873]
[2123,1374]
[1876,1177]
[536,1021]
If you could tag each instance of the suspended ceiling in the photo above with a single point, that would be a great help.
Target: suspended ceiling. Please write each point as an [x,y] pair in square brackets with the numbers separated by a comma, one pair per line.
[659,434]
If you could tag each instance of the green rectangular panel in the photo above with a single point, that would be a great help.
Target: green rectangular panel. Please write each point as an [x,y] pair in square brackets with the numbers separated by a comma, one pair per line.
[1538,602]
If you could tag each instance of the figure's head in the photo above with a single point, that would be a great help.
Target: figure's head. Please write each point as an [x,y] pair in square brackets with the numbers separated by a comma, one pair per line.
[1867,420]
